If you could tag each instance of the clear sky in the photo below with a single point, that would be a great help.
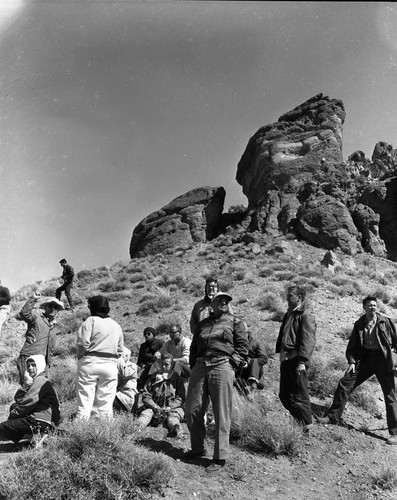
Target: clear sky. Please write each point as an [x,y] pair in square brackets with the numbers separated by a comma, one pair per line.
[110,109]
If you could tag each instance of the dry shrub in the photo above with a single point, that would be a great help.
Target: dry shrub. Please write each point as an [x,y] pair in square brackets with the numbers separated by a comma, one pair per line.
[92,460]
[253,429]
[8,387]
[386,479]
[324,374]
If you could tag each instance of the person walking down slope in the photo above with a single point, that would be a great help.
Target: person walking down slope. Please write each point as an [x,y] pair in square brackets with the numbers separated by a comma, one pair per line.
[5,299]
[67,277]
[41,331]
[295,343]
[36,406]
[99,345]
[370,351]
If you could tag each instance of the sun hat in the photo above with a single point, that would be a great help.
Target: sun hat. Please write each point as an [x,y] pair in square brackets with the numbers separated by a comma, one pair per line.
[221,294]
[53,300]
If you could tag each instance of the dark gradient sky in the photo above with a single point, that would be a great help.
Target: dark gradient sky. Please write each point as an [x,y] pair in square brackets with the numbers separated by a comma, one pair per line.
[110,109]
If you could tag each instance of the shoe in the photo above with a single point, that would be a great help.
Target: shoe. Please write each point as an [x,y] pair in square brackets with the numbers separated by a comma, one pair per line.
[392,440]
[190,455]
[174,431]
[215,466]
[331,421]
[323,420]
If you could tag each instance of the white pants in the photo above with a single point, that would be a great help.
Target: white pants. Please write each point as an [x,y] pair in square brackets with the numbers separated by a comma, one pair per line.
[4,312]
[96,386]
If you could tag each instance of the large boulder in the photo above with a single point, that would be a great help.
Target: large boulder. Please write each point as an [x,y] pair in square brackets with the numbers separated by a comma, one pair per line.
[283,156]
[367,222]
[193,217]
[326,222]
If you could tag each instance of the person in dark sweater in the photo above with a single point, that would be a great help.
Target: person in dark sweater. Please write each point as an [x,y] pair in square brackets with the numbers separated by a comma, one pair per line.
[147,354]
[67,277]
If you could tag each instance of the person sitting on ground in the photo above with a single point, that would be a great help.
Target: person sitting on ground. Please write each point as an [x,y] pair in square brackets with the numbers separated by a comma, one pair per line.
[179,348]
[252,370]
[36,406]
[126,383]
[146,356]
[163,398]
[41,331]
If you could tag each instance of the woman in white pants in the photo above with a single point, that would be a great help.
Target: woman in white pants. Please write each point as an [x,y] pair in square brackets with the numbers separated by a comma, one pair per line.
[99,345]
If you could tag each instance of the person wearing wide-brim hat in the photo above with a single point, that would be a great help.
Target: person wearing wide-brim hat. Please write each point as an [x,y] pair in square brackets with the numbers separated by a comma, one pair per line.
[41,330]
[219,347]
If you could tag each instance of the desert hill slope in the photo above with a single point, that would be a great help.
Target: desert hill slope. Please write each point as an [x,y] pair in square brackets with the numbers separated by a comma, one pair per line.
[332,462]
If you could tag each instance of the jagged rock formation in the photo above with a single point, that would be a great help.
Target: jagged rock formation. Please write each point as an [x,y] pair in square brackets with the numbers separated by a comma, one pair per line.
[193,217]
[296,181]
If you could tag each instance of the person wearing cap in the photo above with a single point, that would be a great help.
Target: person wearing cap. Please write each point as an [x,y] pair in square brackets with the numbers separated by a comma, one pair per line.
[100,344]
[219,347]
[67,277]
[295,343]
[202,308]
[127,391]
[36,406]
[147,354]
[41,331]
[5,299]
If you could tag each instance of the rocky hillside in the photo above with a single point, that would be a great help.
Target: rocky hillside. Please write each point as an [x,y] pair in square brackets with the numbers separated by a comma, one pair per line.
[297,183]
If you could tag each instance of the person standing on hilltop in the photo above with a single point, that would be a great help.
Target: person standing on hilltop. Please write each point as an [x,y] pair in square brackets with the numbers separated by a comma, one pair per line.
[295,343]
[5,299]
[218,349]
[41,330]
[202,308]
[67,277]
[370,351]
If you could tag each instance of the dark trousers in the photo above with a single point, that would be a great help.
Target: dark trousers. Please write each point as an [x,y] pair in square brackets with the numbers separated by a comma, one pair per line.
[15,429]
[294,392]
[373,363]
[253,372]
[66,287]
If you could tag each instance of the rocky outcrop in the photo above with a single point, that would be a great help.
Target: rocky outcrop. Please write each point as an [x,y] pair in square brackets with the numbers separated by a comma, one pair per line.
[193,217]
[326,222]
[367,222]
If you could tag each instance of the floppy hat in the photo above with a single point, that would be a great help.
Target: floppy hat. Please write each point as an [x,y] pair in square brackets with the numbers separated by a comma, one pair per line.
[53,300]
[222,294]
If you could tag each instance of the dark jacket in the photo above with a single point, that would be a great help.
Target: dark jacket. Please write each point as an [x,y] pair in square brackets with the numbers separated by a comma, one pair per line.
[147,350]
[40,334]
[201,310]
[300,336]
[5,296]
[67,275]
[387,337]
[39,401]
[160,392]
[223,336]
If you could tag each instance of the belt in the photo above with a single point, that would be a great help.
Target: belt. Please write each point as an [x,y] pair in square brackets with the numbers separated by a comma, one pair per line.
[100,354]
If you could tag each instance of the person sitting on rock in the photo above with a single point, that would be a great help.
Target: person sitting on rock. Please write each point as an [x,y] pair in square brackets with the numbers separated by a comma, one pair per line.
[36,406]
[126,383]
[179,348]
[163,398]
[146,356]
[252,371]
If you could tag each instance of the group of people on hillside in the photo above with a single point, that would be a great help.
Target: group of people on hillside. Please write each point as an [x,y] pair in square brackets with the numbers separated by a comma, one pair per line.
[178,378]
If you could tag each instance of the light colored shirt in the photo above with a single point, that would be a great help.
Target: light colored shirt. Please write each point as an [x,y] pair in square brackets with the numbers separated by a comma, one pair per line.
[101,335]
[182,350]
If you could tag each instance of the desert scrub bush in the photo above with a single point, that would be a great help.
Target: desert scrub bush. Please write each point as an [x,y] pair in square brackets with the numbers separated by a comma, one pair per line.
[93,460]
[386,479]
[284,275]
[112,285]
[137,277]
[346,286]
[265,272]
[324,375]
[155,303]
[364,397]
[253,429]
[225,284]
[270,301]
[164,325]
[64,346]
[48,288]
[63,375]
[8,388]
[70,323]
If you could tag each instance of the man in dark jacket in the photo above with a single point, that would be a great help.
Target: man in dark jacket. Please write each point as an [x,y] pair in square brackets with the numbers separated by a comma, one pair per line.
[219,347]
[370,351]
[295,343]
[67,277]
[252,370]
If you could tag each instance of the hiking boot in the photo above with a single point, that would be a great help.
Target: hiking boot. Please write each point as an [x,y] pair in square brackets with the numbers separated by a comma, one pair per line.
[215,466]
[191,455]
[392,440]
[331,421]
